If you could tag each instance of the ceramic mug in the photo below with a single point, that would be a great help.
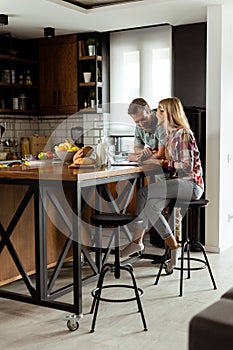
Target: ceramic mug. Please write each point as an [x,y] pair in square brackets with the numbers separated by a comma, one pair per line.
[87,77]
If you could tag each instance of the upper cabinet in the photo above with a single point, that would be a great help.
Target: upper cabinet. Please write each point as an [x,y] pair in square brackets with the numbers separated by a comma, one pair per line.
[93,72]
[46,75]
[58,75]
[74,77]
[189,63]
[19,92]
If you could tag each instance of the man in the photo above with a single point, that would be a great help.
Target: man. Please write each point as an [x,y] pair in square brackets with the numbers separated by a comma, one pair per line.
[149,139]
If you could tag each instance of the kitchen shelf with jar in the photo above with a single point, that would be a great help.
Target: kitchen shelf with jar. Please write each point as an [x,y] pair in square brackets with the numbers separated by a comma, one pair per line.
[93,61]
[91,84]
[19,91]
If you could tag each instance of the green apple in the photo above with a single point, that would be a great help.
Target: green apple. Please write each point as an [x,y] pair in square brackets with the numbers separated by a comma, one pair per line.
[42,156]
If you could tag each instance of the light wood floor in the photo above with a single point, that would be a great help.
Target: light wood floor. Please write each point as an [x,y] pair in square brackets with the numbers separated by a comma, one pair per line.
[119,326]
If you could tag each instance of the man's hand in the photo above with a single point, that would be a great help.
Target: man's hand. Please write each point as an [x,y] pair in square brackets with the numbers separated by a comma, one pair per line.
[134,157]
[147,153]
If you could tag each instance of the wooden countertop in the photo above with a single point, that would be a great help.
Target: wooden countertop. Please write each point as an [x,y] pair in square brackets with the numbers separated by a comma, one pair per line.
[62,172]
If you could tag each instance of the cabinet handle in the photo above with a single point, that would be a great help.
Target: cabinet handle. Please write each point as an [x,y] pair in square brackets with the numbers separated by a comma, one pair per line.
[59,97]
[54,97]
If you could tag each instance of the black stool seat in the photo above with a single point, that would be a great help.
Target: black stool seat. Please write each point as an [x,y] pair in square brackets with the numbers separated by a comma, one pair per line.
[192,204]
[186,245]
[115,220]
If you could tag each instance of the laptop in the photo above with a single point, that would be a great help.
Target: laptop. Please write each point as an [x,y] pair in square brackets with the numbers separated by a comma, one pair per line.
[123,161]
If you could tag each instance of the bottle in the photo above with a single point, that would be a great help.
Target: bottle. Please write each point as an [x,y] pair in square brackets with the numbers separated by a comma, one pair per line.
[28,80]
[110,149]
[100,154]
[13,76]
[25,146]
[20,79]
[22,102]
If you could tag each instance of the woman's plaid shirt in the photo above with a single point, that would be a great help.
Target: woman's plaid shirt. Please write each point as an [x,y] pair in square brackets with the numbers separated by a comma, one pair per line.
[185,156]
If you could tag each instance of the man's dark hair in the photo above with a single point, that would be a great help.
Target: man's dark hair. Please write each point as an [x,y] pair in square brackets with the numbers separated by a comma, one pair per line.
[137,104]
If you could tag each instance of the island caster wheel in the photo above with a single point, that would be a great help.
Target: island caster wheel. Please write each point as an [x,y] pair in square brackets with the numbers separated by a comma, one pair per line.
[72,325]
[72,321]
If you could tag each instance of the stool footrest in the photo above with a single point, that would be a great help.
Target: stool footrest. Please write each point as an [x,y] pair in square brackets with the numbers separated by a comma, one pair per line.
[203,266]
[108,286]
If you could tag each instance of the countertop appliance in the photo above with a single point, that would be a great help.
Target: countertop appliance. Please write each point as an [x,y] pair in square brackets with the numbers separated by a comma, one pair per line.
[77,136]
[123,143]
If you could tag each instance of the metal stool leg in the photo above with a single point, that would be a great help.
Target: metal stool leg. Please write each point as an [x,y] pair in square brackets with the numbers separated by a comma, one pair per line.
[207,262]
[97,294]
[140,309]
[161,266]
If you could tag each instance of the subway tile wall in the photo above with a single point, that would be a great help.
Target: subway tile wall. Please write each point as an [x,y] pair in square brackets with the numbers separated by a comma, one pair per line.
[58,128]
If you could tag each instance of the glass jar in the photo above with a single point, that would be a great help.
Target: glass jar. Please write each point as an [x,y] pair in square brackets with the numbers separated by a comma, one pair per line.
[20,79]
[6,78]
[22,102]
[28,80]
[25,146]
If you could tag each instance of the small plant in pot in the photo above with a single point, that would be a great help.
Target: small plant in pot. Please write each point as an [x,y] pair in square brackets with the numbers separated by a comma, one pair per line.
[92,98]
[92,43]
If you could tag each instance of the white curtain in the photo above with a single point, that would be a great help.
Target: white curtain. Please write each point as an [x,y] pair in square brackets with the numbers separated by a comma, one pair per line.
[140,66]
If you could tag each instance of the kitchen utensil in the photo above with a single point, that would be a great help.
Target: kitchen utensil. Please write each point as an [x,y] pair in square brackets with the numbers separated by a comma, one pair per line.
[8,143]
[15,143]
[2,130]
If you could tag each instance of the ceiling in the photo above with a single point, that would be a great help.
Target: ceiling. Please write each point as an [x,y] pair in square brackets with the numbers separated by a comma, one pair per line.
[27,18]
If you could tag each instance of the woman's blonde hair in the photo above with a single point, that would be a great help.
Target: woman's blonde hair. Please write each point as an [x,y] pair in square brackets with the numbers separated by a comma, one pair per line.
[175,115]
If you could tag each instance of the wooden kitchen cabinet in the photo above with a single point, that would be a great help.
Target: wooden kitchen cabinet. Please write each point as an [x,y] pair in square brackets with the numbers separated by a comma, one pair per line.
[23,235]
[19,90]
[58,72]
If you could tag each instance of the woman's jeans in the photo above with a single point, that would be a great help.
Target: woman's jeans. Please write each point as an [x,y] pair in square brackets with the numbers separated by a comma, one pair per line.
[152,199]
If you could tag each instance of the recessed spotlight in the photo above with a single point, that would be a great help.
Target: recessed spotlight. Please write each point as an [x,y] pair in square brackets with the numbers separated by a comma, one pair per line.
[3,20]
[49,32]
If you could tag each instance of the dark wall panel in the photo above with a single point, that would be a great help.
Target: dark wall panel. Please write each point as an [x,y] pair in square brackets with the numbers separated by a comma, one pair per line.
[189,64]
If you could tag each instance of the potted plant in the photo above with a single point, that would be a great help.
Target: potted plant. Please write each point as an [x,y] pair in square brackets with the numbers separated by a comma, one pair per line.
[92,98]
[92,43]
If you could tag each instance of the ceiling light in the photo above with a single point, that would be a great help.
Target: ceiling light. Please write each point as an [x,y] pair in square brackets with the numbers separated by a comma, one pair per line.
[49,32]
[90,4]
[3,20]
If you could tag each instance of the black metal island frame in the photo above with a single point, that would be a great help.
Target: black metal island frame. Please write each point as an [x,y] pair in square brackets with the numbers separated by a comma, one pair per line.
[45,189]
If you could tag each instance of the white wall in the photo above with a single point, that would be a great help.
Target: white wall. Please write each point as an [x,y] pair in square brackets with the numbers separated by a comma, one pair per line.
[219,128]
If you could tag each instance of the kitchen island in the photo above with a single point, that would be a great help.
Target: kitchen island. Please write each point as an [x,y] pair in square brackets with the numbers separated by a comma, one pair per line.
[40,225]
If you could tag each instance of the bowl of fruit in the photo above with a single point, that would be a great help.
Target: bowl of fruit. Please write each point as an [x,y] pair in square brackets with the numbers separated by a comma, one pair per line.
[66,151]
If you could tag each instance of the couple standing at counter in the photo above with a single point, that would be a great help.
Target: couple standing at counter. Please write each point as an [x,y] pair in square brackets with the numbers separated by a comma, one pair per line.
[163,136]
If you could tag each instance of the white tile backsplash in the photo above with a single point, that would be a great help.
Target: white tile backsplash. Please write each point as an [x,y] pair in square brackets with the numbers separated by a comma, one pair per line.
[58,127]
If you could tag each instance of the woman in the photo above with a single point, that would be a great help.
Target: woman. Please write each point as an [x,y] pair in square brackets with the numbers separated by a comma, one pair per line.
[185,183]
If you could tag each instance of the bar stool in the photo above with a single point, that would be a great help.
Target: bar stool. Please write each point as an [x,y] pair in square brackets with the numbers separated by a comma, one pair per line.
[186,245]
[115,221]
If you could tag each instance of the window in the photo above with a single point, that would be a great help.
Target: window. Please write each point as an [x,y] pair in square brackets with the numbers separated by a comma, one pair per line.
[140,66]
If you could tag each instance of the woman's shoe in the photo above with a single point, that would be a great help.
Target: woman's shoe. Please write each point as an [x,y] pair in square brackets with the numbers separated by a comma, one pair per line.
[175,255]
[132,248]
